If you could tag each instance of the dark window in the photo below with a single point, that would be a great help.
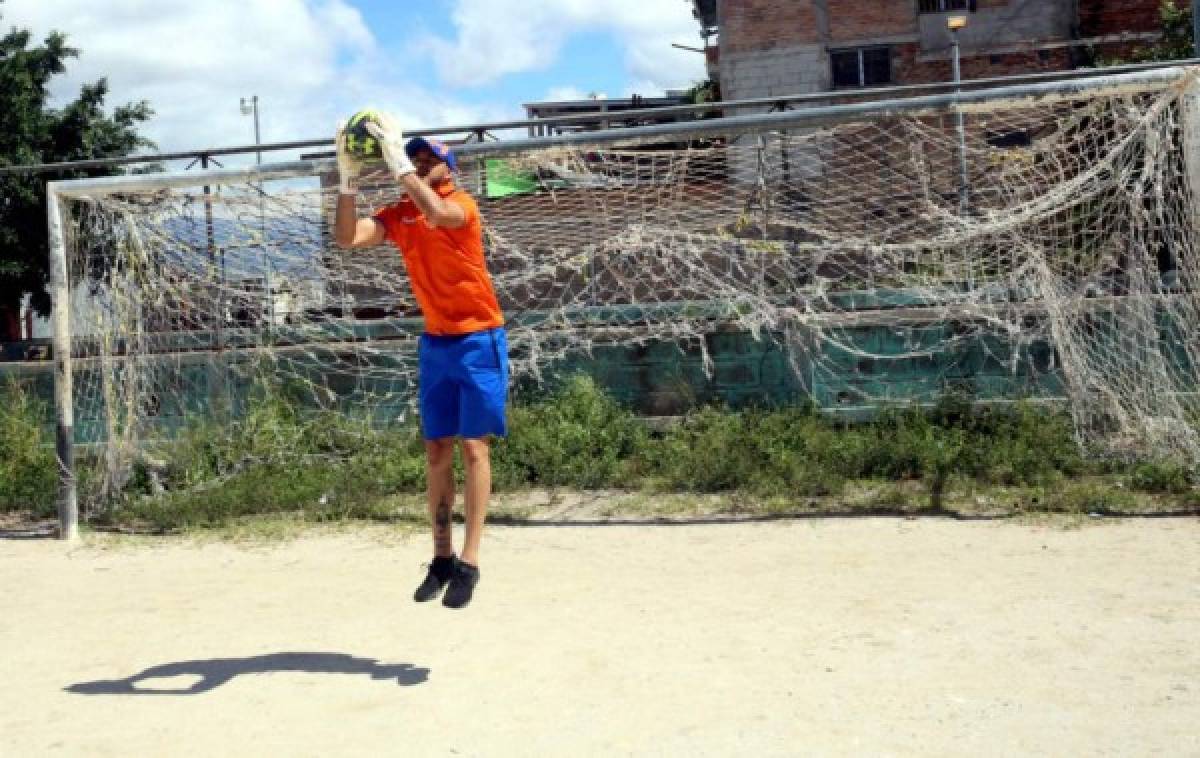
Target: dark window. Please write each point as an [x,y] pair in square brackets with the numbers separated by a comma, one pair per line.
[845,69]
[941,6]
[877,66]
[1009,140]
[861,67]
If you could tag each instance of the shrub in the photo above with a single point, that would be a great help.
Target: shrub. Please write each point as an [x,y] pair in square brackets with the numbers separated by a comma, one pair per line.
[28,464]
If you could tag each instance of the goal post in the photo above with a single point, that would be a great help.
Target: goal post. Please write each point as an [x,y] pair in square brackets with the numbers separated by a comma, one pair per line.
[839,232]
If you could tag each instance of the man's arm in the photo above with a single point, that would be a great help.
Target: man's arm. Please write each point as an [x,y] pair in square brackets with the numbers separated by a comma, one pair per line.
[438,210]
[350,231]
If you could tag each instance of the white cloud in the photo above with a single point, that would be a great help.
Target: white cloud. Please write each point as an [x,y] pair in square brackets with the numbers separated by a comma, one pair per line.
[309,61]
[499,37]
[312,61]
[566,93]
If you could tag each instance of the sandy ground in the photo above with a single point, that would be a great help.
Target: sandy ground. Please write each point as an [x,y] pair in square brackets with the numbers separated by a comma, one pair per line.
[870,636]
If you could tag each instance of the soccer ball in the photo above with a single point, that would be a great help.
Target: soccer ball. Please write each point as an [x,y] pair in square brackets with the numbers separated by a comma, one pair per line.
[360,143]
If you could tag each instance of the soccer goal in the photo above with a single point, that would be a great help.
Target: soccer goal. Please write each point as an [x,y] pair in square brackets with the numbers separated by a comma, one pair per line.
[1021,242]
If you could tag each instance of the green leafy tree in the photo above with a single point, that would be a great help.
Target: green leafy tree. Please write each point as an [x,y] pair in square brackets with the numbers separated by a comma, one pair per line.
[1176,42]
[31,131]
[707,91]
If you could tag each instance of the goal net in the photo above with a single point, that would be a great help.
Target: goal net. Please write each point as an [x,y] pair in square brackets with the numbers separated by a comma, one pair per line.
[1020,244]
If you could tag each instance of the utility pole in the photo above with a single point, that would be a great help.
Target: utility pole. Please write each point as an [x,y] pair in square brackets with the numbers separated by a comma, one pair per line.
[956,24]
[1196,27]
[251,107]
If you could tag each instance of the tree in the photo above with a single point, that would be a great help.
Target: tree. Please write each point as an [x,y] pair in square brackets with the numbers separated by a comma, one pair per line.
[707,91]
[1177,41]
[33,132]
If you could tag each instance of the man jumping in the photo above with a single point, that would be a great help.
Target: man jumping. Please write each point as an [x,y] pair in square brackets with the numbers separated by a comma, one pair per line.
[463,352]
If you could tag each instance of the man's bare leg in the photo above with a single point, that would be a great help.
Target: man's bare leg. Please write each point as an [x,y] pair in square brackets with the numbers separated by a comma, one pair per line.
[478,465]
[439,471]
[439,475]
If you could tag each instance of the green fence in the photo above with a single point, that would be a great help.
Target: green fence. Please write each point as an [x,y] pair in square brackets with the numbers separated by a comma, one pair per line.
[656,378]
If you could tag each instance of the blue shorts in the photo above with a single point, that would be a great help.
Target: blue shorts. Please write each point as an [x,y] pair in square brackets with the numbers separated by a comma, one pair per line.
[463,384]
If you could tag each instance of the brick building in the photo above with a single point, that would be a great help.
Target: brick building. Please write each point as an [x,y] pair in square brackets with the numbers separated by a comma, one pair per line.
[779,47]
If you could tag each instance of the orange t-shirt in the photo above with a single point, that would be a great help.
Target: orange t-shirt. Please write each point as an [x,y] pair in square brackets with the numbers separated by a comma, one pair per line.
[445,266]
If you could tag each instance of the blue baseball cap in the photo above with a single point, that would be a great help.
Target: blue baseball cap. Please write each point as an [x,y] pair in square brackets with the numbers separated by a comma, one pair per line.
[416,144]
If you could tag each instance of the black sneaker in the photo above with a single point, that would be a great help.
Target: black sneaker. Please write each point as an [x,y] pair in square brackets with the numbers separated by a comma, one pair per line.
[440,572]
[462,584]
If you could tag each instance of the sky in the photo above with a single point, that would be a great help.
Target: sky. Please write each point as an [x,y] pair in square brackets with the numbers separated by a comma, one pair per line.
[312,62]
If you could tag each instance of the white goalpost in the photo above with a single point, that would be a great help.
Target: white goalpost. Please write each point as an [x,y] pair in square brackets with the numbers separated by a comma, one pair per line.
[1060,264]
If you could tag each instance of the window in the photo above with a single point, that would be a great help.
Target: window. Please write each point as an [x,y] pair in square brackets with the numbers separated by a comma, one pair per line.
[861,67]
[941,6]
[1010,140]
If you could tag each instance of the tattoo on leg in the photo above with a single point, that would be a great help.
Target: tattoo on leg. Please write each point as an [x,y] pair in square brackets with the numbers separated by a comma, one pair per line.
[441,528]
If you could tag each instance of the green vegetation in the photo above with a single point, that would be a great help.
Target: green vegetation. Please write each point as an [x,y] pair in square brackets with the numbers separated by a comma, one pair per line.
[1176,42]
[33,131]
[579,437]
[330,467]
[27,467]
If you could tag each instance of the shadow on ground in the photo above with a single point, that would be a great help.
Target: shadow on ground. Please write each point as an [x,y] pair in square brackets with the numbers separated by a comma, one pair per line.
[214,672]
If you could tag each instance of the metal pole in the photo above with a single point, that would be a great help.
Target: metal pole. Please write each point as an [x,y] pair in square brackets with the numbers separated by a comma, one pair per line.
[216,379]
[1042,94]
[270,295]
[543,127]
[962,129]
[257,136]
[212,249]
[68,501]
[262,219]
[1195,26]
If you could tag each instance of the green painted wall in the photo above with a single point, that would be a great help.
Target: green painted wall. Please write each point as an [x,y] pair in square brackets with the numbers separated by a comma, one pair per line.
[656,378]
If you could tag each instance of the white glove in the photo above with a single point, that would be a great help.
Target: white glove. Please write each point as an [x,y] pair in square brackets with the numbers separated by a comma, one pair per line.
[348,167]
[391,140]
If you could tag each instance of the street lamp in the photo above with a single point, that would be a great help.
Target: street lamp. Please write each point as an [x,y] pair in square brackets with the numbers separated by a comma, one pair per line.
[956,24]
[248,107]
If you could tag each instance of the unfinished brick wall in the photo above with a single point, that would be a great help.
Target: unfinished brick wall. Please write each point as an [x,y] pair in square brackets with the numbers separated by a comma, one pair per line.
[768,47]
[852,20]
[910,67]
[1099,18]
[761,25]
[1103,18]
[780,47]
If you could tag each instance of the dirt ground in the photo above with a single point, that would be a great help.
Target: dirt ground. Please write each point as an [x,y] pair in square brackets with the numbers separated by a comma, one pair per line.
[856,636]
